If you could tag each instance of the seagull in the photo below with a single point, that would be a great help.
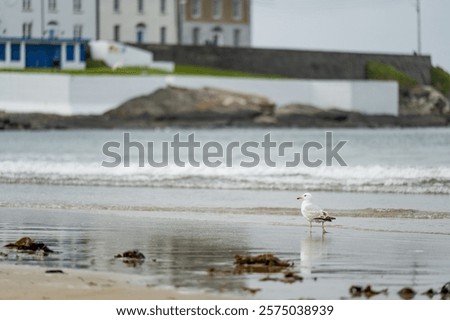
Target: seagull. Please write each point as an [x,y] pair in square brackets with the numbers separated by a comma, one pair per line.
[313,213]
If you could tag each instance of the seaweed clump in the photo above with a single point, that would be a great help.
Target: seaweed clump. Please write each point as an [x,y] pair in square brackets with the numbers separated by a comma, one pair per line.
[28,245]
[132,258]
[264,263]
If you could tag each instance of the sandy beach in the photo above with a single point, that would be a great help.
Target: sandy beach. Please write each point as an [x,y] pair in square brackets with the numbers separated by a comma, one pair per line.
[33,283]
[402,249]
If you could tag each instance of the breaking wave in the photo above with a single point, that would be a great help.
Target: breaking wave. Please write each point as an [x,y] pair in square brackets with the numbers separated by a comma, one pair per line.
[367,178]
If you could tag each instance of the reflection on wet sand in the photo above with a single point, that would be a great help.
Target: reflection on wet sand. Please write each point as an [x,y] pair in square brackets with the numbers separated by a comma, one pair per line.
[181,249]
[178,254]
[313,250]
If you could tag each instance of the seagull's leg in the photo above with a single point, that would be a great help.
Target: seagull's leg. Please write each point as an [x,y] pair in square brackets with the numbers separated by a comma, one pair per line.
[310,227]
[323,227]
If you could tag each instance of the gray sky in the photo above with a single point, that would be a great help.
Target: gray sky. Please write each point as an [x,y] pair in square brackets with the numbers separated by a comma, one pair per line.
[388,26]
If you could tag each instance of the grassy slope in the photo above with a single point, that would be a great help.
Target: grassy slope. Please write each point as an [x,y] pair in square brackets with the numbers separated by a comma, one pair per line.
[380,71]
[440,79]
[99,68]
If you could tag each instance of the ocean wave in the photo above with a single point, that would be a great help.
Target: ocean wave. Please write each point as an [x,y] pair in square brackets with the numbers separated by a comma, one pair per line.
[381,179]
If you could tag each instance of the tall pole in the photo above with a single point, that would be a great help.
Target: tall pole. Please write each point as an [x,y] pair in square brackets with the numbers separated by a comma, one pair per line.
[419,28]
[180,17]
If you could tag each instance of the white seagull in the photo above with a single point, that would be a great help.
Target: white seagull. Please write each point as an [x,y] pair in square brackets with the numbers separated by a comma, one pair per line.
[314,213]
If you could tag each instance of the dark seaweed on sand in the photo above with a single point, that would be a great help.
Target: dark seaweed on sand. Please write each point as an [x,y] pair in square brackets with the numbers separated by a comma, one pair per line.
[133,254]
[264,263]
[29,245]
[132,258]
[368,292]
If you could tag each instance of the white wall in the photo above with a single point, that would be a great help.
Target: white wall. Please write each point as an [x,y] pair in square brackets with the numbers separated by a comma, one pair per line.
[96,94]
[35,93]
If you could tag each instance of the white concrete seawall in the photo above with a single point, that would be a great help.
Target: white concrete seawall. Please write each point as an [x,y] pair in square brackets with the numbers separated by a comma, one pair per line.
[68,94]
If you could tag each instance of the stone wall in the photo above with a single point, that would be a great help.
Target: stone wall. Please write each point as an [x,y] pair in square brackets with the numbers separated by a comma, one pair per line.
[292,63]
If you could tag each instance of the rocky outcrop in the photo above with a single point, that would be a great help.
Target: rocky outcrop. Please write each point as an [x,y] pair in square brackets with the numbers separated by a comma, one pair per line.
[423,100]
[304,116]
[43,121]
[181,106]
[297,115]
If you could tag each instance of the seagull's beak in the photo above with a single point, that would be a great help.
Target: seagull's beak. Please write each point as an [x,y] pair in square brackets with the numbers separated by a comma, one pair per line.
[300,198]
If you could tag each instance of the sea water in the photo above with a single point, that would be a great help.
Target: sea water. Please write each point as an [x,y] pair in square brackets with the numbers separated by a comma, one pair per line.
[391,161]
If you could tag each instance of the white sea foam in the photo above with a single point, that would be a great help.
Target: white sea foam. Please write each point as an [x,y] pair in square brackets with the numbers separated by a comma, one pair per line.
[377,178]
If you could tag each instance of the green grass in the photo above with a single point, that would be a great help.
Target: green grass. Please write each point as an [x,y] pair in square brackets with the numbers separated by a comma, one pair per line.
[198,70]
[440,79]
[380,71]
[100,68]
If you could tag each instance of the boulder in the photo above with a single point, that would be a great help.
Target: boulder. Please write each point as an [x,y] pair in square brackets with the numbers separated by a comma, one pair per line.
[183,106]
[423,100]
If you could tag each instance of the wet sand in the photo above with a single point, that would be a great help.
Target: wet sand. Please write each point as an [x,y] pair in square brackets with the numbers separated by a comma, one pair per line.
[181,245]
[33,283]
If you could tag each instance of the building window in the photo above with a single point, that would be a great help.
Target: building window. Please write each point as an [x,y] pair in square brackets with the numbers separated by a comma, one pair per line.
[77,6]
[26,5]
[2,52]
[116,5]
[27,30]
[70,52]
[82,53]
[237,37]
[196,36]
[78,31]
[217,9]
[51,5]
[237,9]
[140,4]
[163,34]
[140,33]
[117,32]
[52,29]
[163,7]
[196,8]
[15,52]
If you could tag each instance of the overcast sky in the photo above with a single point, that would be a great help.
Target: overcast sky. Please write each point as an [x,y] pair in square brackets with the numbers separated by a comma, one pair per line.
[388,26]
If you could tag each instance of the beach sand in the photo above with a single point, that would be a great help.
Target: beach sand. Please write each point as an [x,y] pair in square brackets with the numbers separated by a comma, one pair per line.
[33,283]
[389,251]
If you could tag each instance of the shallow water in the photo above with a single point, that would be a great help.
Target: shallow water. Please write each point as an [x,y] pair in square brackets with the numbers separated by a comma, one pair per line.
[181,246]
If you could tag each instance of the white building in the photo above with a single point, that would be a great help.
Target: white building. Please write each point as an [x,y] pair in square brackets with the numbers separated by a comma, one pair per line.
[53,19]
[138,21]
